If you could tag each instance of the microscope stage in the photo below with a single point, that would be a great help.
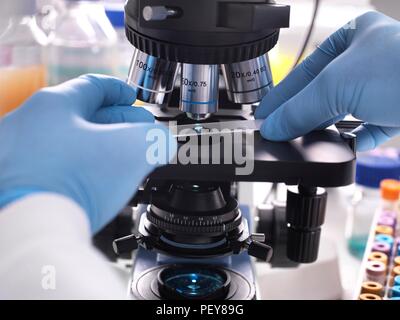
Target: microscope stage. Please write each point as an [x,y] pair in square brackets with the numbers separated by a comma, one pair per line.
[321,158]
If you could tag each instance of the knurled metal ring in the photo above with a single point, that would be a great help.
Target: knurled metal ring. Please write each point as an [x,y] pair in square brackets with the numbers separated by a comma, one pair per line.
[194,227]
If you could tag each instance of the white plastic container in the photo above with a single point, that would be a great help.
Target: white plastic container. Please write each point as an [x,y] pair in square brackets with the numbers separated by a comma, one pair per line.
[362,210]
[83,41]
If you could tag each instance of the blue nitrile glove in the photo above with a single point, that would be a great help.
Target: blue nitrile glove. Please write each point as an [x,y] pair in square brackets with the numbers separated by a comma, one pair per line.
[79,140]
[355,71]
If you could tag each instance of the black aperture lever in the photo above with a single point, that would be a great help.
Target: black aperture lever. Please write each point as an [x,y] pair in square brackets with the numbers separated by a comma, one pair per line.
[126,244]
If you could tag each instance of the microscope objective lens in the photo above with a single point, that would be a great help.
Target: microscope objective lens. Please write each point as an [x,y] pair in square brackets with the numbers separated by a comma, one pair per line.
[153,78]
[199,90]
[248,81]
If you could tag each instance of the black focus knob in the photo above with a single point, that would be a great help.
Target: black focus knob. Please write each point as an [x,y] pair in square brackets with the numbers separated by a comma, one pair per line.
[303,246]
[305,214]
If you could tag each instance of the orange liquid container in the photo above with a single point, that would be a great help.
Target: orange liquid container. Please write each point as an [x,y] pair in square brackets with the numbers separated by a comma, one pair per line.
[18,84]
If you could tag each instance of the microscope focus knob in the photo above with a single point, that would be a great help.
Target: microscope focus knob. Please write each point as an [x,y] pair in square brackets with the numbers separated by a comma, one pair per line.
[305,214]
[302,246]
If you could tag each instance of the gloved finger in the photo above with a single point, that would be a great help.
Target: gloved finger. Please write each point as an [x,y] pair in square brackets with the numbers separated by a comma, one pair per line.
[303,74]
[135,150]
[370,136]
[122,114]
[155,140]
[303,113]
[89,93]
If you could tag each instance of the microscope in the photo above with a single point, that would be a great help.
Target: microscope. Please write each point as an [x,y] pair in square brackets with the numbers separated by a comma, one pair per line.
[204,64]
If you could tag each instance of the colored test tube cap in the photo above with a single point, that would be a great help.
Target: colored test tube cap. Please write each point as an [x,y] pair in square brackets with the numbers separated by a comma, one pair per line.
[372,287]
[396,292]
[387,221]
[396,271]
[376,271]
[387,213]
[378,256]
[381,247]
[397,281]
[390,189]
[384,230]
[385,238]
[369,296]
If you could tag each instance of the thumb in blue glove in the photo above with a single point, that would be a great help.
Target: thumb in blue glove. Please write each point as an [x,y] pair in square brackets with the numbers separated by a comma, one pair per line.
[355,71]
[84,140]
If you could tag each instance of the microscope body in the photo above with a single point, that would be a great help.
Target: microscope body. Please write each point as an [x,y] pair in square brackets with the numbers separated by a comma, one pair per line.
[239,269]
[194,238]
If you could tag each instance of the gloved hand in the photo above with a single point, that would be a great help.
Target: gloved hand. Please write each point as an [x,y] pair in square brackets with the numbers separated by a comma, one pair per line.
[355,71]
[75,140]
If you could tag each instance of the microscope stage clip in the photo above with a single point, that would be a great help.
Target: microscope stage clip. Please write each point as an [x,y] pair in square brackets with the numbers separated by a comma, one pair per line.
[216,128]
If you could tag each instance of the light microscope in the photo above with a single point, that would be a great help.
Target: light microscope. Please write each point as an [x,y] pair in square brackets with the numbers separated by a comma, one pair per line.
[205,64]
